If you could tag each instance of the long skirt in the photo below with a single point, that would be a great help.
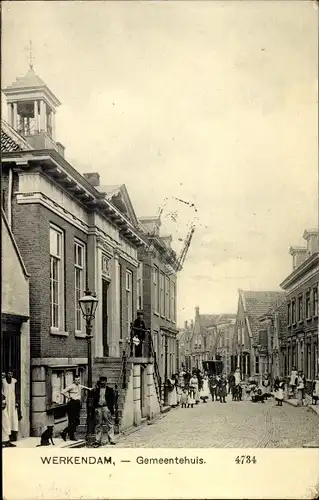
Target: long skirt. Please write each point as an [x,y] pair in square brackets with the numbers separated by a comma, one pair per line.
[191,398]
[6,428]
[178,394]
[279,394]
[172,398]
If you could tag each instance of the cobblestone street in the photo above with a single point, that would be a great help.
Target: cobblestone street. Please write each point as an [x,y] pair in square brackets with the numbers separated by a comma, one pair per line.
[232,425]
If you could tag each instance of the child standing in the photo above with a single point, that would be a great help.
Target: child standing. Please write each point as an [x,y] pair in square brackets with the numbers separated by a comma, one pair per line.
[184,398]
[279,393]
[191,398]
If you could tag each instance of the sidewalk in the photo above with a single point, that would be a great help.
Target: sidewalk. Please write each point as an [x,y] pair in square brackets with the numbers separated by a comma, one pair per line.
[33,442]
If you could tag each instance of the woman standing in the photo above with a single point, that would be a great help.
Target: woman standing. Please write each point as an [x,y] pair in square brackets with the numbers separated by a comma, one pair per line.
[204,393]
[193,386]
[293,381]
[172,396]
[265,385]
[179,389]
[301,382]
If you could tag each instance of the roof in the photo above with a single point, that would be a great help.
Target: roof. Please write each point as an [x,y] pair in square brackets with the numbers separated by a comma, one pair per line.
[30,79]
[22,264]
[207,320]
[11,140]
[258,303]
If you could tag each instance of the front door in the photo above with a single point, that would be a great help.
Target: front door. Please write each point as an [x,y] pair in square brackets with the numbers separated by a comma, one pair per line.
[10,355]
[105,286]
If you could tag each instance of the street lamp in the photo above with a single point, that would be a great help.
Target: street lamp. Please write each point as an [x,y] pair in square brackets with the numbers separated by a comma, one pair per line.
[88,305]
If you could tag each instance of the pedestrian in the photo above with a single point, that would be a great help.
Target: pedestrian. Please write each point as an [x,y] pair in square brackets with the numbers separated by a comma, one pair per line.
[139,332]
[222,389]
[237,376]
[213,387]
[194,384]
[231,381]
[187,377]
[171,387]
[293,381]
[301,382]
[178,389]
[191,397]
[104,403]
[265,385]
[73,392]
[9,391]
[184,398]
[6,430]
[204,393]
[279,391]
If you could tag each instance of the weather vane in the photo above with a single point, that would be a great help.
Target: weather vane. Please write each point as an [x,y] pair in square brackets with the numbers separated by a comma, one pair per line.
[31,58]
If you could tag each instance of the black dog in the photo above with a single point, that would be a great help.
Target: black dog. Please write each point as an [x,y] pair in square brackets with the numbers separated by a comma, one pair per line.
[237,393]
[46,437]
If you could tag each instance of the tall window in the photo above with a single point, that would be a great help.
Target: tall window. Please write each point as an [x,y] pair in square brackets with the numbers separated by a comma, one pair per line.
[79,272]
[155,289]
[173,301]
[257,365]
[300,308]
[162,294]
[167,297]
[139,287]
[315,301]
[308,305]
[289,313]
[56,278]
[119,277]
[129,299]
[293,311]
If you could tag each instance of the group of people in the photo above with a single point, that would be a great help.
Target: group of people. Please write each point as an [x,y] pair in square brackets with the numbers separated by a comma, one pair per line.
[189,389]
[10,410]
[104,405]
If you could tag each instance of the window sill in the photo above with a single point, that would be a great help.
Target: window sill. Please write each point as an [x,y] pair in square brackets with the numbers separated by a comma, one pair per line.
[156,313]
[79,335]
[56,331]
[309,319]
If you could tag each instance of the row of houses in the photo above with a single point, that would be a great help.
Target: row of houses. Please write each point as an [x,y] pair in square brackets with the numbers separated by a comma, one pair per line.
[272,331]
[62,233]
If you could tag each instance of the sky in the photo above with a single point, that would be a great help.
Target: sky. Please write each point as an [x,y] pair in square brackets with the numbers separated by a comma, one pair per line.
[212,103]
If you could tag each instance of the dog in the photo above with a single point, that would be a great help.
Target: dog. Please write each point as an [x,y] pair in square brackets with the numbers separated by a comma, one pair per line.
[259,397]
[47,437]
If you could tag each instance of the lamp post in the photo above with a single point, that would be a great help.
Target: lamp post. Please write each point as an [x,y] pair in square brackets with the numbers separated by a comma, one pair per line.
[88,304]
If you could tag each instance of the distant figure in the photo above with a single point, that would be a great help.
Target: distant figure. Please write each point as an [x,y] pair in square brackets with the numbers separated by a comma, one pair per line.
[301,383]
[279,392]
[204,392]
[222,389]
[172,395]
[293,381]
[213,387]
[139,331]
[231,381]
[184,398]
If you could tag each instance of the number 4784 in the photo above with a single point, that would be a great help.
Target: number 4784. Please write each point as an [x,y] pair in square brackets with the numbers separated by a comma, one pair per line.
[245,459]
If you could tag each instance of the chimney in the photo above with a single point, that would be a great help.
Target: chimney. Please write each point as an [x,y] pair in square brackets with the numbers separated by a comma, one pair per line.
[299,255]
[196,311]
[311,236]
[93,178]
[186,325]
[192,324]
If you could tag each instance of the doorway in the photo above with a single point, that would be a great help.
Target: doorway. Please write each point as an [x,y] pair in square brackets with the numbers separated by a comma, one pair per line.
[105,286]
[10,356]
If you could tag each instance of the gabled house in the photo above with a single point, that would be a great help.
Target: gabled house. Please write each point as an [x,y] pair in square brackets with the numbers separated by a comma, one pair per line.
[272,327]
[245,346]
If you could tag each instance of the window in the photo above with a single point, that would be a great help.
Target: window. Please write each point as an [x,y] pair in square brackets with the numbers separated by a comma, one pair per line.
[155,290]
[173,302]
[167,297]
[129,299]
[257,365]
[79,276]
[56,279]
[60,379]
[315,301]
[289,313]
[308,305]
[300,308]
[119,277]
[293,311]
[139,283]
[162,295]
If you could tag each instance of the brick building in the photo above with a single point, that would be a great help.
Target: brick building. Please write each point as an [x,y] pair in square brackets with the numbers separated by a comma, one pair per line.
[159,266]
[247,353]
[299,344]
[71,236]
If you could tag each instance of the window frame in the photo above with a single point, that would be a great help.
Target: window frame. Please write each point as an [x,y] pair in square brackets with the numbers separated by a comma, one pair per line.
[155,289]
[308,305]
[129,303]
[167,297]
[173,301]
[315,301]
[162,294]
[300,309]
[60,328]
[293,312]
[79,244]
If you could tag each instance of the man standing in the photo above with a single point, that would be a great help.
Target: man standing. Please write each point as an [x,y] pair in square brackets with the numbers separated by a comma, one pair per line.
[139,330]
[104,402]
[73,392]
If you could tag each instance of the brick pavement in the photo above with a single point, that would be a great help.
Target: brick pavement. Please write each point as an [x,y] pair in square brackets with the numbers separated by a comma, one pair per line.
[232,425]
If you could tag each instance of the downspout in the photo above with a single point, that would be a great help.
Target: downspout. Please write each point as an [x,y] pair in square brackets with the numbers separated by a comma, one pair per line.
[10,198]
